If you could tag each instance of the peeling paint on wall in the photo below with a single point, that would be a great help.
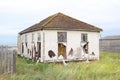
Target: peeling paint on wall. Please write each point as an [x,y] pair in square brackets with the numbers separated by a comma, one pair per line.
[71,52]
[51,54]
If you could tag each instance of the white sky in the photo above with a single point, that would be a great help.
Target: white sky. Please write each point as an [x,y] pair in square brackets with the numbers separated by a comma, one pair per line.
[16,15]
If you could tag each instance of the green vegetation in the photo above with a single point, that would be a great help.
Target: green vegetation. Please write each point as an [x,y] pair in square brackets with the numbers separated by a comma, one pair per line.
[107,68]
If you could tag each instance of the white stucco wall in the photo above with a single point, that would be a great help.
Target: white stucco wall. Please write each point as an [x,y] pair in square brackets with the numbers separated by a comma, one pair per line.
[73,41]
[94,43]
[49,42]
[29,42]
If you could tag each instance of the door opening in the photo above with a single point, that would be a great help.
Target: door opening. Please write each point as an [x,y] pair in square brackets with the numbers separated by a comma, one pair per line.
[62,50]
[39,49]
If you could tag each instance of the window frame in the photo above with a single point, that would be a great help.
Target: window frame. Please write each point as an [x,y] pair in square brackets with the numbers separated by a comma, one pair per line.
[26,38]
[62,37]
[84,37]
[33,37]
[38,37]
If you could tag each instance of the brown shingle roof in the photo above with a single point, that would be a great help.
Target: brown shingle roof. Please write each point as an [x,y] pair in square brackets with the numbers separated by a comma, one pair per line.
[60,21]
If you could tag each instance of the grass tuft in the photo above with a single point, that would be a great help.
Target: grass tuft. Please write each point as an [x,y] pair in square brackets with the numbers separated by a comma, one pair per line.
[107,68]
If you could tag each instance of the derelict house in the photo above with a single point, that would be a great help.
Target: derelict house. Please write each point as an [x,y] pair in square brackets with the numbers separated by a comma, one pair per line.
[59,37]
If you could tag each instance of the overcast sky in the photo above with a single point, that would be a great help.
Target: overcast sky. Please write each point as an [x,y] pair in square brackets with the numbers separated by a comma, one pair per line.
[16,15]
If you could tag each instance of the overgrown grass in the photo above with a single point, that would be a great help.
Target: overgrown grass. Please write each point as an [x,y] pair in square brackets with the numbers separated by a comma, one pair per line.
[107,68]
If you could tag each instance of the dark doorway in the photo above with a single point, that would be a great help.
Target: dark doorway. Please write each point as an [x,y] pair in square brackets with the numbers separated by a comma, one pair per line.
[22,48]
[39,49]
[62,50]
[85,47]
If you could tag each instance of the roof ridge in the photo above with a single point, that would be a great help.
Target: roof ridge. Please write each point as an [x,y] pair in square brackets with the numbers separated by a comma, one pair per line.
[61,21]
[77,20]
[52,17]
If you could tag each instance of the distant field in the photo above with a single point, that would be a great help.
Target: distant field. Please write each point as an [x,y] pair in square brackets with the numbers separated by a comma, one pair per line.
[107,68]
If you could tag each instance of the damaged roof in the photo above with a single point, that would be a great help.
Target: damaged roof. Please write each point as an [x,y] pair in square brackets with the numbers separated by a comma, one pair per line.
[61,21]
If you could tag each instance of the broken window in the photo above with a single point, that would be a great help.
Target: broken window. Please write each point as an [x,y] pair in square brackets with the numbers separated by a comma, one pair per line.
[84,37]
[22,48]
[39,45]
[39,37]
[25,37]
[62,39]
[26,40]
[32,37]
[62,36]
[39,49]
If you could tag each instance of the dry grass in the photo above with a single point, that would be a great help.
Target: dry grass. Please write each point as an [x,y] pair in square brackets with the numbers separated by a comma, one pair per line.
[107,68]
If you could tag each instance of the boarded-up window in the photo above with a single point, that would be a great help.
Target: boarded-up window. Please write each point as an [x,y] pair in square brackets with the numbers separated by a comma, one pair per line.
[62,36]
[84,37]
